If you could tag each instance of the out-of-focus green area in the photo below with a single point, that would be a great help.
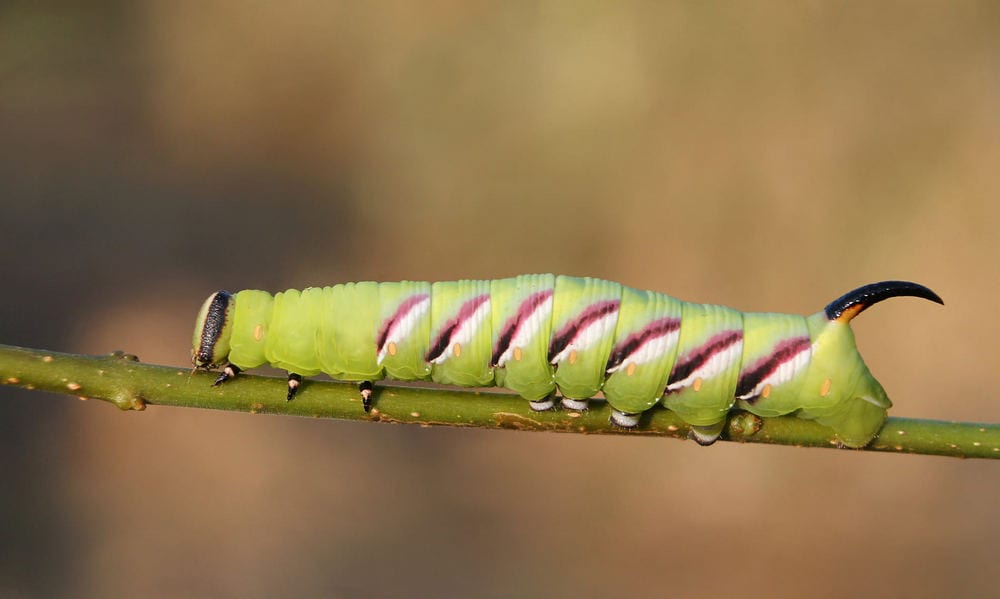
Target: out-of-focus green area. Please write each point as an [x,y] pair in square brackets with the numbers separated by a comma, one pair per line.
[767,156]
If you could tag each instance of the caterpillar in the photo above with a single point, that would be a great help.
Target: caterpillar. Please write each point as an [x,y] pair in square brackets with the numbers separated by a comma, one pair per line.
[535,334]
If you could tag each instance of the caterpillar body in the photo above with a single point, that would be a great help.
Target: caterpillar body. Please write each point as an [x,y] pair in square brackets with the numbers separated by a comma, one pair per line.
[536,334]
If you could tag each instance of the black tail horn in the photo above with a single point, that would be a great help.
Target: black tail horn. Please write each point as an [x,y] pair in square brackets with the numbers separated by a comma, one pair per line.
[852,303]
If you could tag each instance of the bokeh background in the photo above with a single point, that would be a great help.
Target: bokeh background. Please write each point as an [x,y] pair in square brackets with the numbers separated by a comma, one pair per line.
[768,156]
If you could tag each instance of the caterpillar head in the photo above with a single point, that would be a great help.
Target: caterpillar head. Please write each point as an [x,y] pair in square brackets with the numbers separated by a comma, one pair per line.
[212,331]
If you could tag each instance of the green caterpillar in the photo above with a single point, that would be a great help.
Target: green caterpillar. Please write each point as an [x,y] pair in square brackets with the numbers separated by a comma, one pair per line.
[536,333]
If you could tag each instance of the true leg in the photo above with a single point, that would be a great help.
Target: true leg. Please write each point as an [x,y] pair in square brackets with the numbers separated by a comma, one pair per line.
[294,381]
[229,371]
[366,388]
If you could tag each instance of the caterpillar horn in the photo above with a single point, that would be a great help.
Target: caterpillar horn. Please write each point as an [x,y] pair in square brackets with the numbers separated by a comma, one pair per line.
[852,303]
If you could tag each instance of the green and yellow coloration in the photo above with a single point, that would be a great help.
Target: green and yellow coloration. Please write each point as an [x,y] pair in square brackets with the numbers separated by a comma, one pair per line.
[535,334]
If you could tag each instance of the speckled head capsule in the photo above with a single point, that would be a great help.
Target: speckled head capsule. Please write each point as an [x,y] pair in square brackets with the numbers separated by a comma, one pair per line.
[212,331]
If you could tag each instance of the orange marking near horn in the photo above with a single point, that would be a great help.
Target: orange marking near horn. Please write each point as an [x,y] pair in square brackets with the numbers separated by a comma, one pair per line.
[456,350]
[850,313]
[392,348]
[825,389]
[517,354]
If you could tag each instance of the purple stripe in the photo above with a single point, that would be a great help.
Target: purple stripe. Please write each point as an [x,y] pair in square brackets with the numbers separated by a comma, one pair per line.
[697,358]
[783,352]
[391,322]
[443,340]
[635,341]
[514,324]
[568,333]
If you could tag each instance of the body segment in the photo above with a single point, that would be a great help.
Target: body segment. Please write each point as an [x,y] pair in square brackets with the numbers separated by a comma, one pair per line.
[522,329]
[538,334]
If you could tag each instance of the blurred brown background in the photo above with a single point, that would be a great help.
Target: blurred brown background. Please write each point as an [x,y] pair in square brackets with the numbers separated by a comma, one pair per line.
[766,156]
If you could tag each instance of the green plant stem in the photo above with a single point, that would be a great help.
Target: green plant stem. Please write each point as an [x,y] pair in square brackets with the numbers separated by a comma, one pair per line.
[122,380]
